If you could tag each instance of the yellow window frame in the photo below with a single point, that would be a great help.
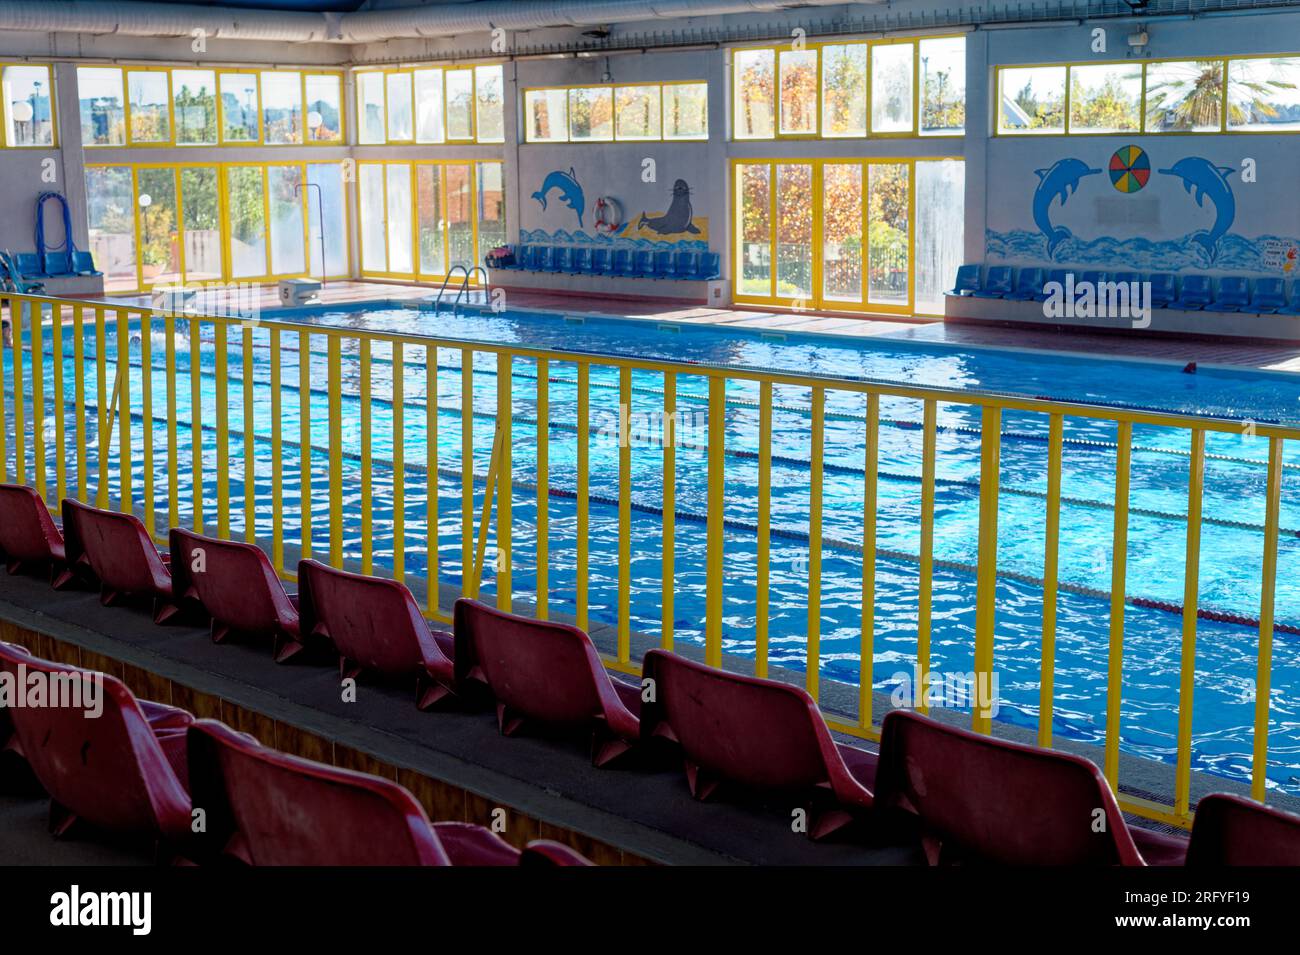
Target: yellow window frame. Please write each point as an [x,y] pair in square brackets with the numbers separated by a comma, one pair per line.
[6,120]
[444,69]
[569,90]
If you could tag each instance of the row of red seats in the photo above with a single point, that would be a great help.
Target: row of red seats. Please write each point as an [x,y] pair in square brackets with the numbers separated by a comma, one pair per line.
[965,795]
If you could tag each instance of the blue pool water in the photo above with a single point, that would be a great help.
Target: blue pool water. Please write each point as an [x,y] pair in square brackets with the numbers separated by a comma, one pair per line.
[1232,540]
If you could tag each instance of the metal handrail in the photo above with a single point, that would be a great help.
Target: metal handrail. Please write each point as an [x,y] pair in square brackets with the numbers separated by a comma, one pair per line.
[464,286]
[447,278]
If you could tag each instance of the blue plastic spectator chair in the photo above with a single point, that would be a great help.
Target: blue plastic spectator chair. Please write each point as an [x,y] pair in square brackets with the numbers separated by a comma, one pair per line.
[997,284]
[579,261]
[621,262]
[1270,296]
[1196,293]
[708,265]
[599,264]
[1162,289]
[663,265]
[643,264]
[1292,306]
[684,265]
[83,263]
[29,264]
[58,263]
[1233,295]
[1029,285]
[559,259]
[968,280]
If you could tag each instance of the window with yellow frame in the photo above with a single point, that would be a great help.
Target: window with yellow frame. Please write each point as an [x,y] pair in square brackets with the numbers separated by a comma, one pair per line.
[29,120]
[850,89]
[1187,95]
[464,103]
[617,112]
[196,106]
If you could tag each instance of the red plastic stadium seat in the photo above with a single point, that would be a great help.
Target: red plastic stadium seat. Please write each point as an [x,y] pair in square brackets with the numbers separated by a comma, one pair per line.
[28,536]
[270,808]
[981,799]
[1233,830]
[113,770]
[376,626]
[542,853]
[237,586]
[543,671]
[757,733]
[118,549]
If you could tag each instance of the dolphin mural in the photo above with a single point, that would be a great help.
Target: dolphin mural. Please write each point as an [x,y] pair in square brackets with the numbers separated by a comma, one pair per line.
[570,192]
[1061,179]
[677,218]
[1203,178]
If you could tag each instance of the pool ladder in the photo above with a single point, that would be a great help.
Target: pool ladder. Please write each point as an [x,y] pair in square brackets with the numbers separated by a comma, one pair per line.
[464,285]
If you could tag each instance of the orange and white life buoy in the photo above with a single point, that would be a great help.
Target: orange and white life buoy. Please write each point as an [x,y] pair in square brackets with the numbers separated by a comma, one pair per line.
[609,215]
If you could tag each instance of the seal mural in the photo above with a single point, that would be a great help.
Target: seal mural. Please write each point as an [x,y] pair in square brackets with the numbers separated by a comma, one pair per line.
[678,217]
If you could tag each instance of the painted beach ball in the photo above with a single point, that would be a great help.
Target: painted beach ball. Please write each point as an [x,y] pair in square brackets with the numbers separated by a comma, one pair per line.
[1130,168]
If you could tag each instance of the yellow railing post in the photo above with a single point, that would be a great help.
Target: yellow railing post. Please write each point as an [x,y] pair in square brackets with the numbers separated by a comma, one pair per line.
[467,470]
[815,483]
[480,550]
[584,414]
[763,571]
[8,309]
[1118,582]
[543,489]
[986,574]
[173,451]
[1191,598]
[867,645]
[250,437]
[714,526]
[60,455]
[125,499]
[925,583]
[668,534]
[196,421]
[367,469]
[103,437]
[399,464]
[505,484]
[277,451]
[146,419]
[304,440]
[1051,558]
[431,472]
[39,464]
[335,414]
[221,393]
[1268,583]
[78,398]
[624,514]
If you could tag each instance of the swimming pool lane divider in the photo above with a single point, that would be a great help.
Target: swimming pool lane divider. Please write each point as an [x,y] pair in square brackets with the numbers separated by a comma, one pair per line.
[891,422]
[750,527]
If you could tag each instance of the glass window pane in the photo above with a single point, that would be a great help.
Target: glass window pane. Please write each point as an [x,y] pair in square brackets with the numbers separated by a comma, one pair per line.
[1106,98]
[842,232]
[399,218]
[753,183]
[460,209]
[282,107]
[103,106]
[327,216]
[755,94]
[429,219]
[370,199]
[202,224]
[288,250]
[160,248]
[324,108]
[370,107]
[591,114]
[110,214]
[844,90]
[1031,99]
[428,106]
[636,112]
[460,104]
[943,86]
[194,107]
[27,105]
[244,197]
[238,107]
[798,92]
[1264,93]
[888,221]
[891,88]
[491,208]
[489,86]
[1185,97]
[794,220]
[400,111]
[547,116]
[686,110]
[940,229]
[148,93]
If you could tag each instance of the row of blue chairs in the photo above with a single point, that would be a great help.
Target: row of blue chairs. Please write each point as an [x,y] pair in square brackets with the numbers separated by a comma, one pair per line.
[55,264]
[643,263]
[1192,292]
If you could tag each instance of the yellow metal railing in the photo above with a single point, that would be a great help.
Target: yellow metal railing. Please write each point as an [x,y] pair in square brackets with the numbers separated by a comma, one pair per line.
[36,382]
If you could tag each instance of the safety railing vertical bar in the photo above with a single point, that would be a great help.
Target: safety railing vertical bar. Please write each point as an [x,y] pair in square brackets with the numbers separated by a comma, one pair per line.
[714,522]
[1268,582]
[925,581]
[146,422]
[334,419]
[60,427]
[583,517]
[1118,579]
[249,440]
[304,443]
[8,309]
[624,515]
[102,436]
[867,644]
[986,574]
[367,468]
[173,448]
[505,484]
[668,520]
[1191,600]
[466,470]
[36,315]
[399,463]
[78,399]
[817,451]
[1051,563]
[17,315]
[196,421]
[431,471]
[543,458]
[122,402]
[277,454]
[221,409]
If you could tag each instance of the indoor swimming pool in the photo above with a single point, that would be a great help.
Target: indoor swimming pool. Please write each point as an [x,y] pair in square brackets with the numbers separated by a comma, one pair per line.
[1233,510]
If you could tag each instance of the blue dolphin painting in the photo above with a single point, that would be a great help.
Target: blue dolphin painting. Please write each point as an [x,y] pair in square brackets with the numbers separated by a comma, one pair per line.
[570,192]
[1203,178]
[1061,179]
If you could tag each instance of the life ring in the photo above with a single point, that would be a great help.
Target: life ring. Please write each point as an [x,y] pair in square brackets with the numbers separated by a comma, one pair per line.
[609,215]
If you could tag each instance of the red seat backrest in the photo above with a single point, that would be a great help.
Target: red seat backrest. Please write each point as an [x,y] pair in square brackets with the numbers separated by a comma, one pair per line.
[749,730]
[108,769]
[237,585]
[547,671]
[27,532]
[1233,830]
[994,801]
[116,545]
[370,620]
[283,810]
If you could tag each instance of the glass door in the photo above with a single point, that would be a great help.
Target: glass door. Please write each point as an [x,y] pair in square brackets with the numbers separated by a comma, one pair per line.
[753,264]
[842,233]
[794,233]
[889,234]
